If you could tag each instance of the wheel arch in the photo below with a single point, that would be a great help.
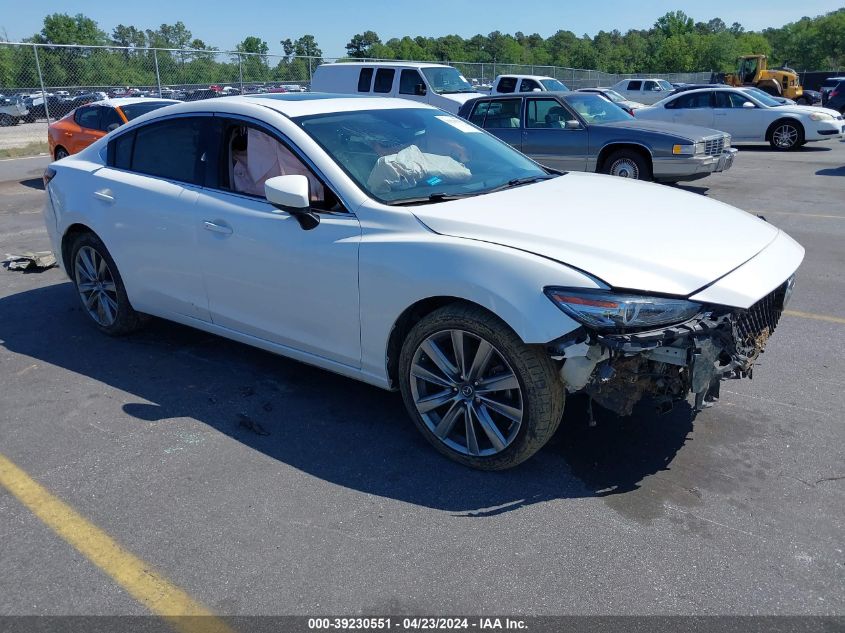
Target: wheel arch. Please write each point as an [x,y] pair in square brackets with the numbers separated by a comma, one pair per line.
[412,315]
[614,146]
[785,119]
[70,235]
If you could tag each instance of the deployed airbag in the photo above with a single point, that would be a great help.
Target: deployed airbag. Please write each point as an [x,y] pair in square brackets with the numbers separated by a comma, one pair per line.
[410,167]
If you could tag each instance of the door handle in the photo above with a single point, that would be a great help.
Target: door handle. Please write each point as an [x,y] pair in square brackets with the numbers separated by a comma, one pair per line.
[105,195]
[721,114]
[217,228]
[68,134]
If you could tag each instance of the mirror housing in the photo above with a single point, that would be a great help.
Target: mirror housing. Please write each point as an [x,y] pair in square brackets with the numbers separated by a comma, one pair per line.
[420,90]
[292,194]
[572,124]
[748,105]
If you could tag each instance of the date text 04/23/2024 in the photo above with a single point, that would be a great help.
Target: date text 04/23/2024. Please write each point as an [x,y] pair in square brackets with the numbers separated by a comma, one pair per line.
[417,624]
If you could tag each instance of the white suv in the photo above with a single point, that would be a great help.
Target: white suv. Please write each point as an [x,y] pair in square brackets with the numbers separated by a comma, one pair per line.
[646,91]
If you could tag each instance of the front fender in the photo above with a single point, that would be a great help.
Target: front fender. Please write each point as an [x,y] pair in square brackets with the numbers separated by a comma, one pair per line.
[395,274]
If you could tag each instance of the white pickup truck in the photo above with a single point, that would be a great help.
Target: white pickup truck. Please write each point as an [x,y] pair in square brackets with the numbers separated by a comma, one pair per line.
[507,84]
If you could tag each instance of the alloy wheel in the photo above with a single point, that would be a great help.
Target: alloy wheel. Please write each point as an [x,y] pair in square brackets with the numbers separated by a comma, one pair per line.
[625,168]
[61,153]
[96,286]
[785,136]
[466,393]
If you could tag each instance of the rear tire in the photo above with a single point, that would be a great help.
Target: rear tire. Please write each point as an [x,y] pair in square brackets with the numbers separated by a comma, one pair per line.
[60,153]
[786,135]
[492,404]
[7,120]
[627,163]
[100,287]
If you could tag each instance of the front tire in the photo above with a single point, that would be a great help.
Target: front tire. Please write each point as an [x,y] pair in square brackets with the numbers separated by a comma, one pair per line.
[100,287]
[476,392]
[627,164]
[786,136]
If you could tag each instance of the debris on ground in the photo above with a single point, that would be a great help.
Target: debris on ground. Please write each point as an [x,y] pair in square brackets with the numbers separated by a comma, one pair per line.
[41,260]
[251,425]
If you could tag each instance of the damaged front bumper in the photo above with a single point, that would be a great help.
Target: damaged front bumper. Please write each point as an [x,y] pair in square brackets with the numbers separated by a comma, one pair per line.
[619,370]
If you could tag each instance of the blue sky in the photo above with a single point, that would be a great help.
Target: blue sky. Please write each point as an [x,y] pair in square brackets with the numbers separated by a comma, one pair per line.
[335,21]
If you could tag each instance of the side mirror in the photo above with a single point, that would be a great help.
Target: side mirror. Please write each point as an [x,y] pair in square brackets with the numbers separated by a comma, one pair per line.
[420,90]
[291,194]
[572,124]
[748,105]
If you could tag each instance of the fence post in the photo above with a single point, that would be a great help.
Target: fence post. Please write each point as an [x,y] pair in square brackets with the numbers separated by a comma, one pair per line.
[240,73]
[158,76]
[41,81]
[310,75]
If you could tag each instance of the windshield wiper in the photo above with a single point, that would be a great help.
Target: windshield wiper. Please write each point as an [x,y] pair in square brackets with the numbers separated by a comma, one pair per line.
[432,199]
[527,180]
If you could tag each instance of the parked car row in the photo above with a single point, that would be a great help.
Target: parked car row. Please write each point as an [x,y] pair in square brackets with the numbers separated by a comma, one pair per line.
[421,254]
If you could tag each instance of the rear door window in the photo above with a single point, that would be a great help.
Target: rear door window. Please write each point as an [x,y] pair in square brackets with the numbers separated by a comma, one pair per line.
[384,80]
[635,85]
[690,100]
[88,118]
[503,114]
[365,80]
[172,149]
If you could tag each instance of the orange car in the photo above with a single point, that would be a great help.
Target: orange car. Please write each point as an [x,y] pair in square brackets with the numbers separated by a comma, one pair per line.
[81,127]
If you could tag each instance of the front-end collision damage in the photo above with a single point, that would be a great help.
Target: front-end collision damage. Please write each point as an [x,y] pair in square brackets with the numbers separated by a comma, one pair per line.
[617,370]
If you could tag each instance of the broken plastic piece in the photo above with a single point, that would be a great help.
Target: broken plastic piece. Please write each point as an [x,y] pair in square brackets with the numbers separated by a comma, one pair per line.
[41,260]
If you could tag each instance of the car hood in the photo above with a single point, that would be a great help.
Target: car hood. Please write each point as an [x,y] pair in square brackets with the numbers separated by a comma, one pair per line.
[692,132]
[628,234]
[805,110]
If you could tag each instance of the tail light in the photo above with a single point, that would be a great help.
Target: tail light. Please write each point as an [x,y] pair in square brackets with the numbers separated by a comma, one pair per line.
[49,174]
[832,94]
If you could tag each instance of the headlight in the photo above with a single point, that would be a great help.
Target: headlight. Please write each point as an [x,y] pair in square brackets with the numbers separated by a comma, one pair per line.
[683,150]
[820,116]
[604,309]
[727,144]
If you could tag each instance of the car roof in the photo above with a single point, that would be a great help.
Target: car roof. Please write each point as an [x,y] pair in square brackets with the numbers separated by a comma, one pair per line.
[125,101]
[300,103]
[396,64]
[526,76]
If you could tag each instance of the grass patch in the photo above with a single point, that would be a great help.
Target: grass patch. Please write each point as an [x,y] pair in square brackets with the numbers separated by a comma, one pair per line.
[30,149]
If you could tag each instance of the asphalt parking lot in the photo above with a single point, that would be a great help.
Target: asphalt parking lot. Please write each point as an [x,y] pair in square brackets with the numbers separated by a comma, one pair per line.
[258,485]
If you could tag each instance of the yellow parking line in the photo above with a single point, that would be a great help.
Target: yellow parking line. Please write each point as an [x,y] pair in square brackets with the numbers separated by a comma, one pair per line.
[815,317]
[148,587]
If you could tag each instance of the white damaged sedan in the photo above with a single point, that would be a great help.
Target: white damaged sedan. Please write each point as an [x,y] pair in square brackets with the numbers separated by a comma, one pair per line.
[397,244]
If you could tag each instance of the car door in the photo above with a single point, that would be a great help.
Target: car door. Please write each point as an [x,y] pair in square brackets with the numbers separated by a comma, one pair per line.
[634,90]
[546,139]
[501,117]
[267,277]
[691,108]
[731,116]
[147,193]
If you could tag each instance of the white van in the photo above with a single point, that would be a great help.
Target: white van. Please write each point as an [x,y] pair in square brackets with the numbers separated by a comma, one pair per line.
[436,84]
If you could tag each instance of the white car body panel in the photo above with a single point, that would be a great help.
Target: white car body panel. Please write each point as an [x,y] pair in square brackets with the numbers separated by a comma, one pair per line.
[745,124]
[497,250]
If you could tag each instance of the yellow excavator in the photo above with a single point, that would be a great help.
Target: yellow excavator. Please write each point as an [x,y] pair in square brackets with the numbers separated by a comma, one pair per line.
[778,82]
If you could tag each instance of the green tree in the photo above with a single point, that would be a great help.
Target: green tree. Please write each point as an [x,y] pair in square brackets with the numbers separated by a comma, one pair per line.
[361,44]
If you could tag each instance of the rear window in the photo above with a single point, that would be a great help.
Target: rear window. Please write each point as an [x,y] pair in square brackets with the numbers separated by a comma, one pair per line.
[384,80]
[365,80]
[506,84]
[134,110]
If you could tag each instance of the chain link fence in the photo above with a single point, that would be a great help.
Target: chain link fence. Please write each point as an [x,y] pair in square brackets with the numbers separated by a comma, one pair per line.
[51,80]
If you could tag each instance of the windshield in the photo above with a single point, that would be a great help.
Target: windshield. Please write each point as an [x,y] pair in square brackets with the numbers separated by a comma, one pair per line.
[553,84]
[665,84]
[446,80]
[417,155]
[134,110]
[764,98]
[613,96]
[596,109]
